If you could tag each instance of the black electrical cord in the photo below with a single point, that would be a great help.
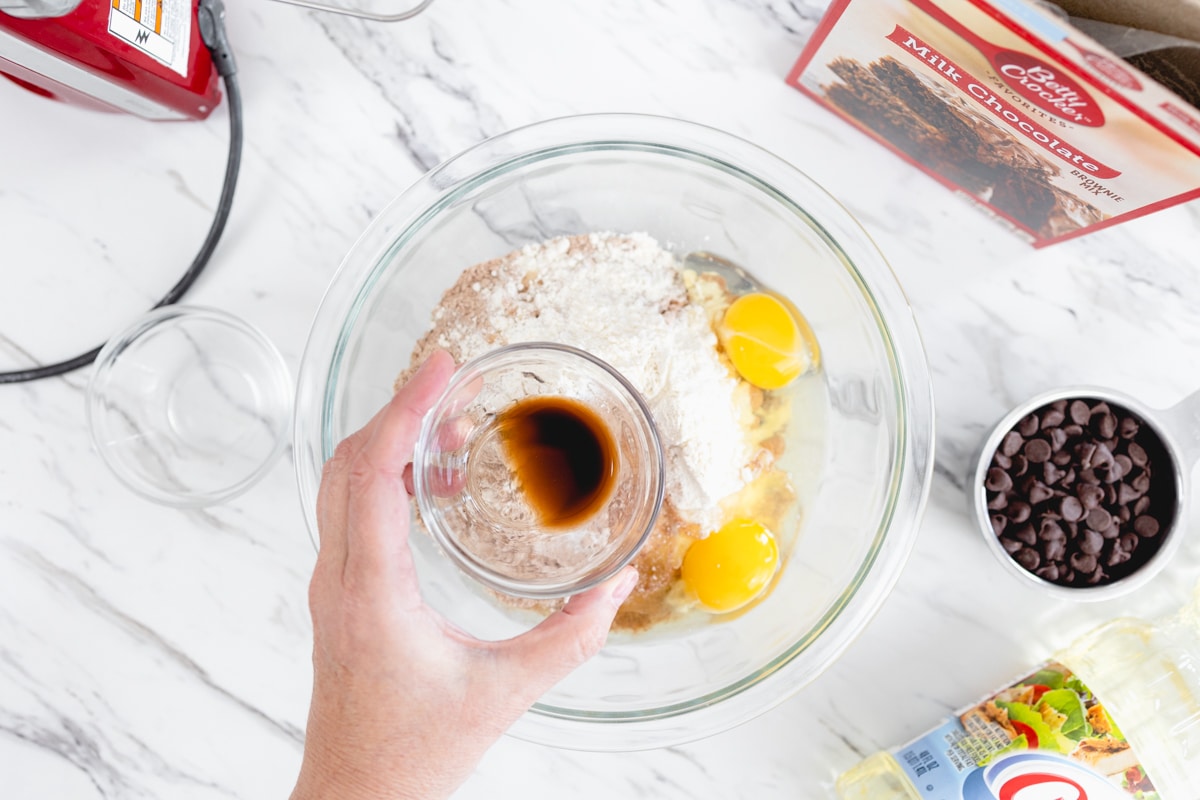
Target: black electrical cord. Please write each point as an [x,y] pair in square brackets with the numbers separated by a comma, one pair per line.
[212,29]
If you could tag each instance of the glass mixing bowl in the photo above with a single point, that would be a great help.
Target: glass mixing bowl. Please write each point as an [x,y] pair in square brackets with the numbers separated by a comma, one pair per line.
[860,456]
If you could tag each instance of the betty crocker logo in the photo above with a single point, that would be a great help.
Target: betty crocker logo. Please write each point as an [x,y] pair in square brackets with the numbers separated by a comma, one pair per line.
[1035,80]
[1047,88]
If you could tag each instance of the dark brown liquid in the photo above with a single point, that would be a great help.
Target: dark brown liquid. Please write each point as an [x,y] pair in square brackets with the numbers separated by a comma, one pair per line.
[563,455]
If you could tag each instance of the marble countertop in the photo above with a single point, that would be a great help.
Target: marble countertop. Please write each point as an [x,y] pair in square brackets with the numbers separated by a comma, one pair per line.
[147,652]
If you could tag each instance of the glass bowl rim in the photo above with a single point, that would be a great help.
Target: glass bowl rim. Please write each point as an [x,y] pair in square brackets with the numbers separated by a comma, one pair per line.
[911,462]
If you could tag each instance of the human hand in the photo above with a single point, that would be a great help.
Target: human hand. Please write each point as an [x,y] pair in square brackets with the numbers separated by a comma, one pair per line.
[405,704]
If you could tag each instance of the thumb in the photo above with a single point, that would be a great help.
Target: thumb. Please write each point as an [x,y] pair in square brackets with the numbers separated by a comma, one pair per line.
[538,659]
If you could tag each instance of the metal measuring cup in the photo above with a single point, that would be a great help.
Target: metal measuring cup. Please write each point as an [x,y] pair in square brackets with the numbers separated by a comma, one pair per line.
[1175,431]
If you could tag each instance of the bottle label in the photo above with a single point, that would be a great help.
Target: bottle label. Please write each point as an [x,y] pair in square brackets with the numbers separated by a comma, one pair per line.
[1045,737]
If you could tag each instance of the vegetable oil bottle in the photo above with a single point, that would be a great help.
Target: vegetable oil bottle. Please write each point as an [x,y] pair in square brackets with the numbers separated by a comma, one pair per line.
[1115,716]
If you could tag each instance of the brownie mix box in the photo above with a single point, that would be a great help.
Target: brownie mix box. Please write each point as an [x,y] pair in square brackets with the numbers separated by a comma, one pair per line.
[1013,104]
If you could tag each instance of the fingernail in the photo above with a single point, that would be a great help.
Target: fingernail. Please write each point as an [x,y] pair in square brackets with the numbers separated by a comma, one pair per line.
[624,587]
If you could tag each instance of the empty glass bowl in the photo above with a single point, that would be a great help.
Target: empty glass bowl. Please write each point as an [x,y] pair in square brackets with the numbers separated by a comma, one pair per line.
[860,451]
[189,406]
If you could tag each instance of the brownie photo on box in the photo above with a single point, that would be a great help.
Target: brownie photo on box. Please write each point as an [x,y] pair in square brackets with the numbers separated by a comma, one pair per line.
[967,149]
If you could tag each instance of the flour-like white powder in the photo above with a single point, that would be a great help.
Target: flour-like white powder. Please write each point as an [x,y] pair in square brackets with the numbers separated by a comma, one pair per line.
[621,298]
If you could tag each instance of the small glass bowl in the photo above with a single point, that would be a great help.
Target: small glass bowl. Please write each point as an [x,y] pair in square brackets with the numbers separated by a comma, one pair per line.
[189,406]
[473,503]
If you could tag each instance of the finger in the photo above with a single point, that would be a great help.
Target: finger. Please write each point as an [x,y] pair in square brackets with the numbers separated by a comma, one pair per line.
[451,435]
[377,518]
[540,658]
[332,495]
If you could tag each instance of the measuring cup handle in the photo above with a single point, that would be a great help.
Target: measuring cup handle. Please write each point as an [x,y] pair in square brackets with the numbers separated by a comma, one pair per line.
[1183,422]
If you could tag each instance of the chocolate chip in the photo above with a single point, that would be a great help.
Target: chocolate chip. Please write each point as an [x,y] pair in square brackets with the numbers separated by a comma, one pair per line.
[1128,427]
[1057,439]
[1073,431]
[1028,558]
[1083,562]
[1089,495]
[1018,511]
[1142,504]
[1080,413]
[1091,543]
[1061,458]
[1117,556]
[1025,534]
[1146,526]
[997,501]
[1010,545]
[1122,466]
[1071,509]
[1020,465]
[999,523]
[1051,531]
[1084,453]
[1037,450]
[1052,418]
[1011,444]
[1002,461]
[1039,492]
[997,480]
[1054,550]
[1137,454]
[1126,494]
[1049,572]
[1099,520]
[1110,474]
[1051,472]
[1028,425]
[1105,425]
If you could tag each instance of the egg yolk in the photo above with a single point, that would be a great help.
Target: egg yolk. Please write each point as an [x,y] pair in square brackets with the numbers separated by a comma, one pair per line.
[769,343]
[729,568]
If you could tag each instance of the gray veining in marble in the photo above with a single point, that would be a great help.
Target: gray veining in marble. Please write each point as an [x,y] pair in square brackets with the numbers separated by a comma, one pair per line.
[152,653]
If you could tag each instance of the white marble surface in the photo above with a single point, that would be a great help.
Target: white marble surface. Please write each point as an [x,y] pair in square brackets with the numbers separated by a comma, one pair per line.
[151,653]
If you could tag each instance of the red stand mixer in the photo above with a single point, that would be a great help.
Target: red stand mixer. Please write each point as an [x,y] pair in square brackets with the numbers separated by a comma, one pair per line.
[144,57]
